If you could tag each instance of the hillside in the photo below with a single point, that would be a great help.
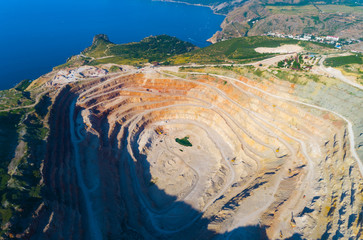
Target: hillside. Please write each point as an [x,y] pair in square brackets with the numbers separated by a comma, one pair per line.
[226,6]
[321,20]
[240,50]
[148,50]
[167,50]
[343,19]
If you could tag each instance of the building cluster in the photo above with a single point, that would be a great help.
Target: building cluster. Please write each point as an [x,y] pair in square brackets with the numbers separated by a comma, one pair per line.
[299,62]
[66,76]
[333,40]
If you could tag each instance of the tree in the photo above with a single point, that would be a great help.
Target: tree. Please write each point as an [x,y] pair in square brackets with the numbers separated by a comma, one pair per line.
[296,65]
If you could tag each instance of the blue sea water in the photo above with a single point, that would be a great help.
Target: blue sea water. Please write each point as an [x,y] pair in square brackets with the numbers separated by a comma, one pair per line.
[36,35]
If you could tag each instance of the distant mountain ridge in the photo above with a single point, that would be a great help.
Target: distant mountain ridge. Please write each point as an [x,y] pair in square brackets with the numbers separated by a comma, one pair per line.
[342,18]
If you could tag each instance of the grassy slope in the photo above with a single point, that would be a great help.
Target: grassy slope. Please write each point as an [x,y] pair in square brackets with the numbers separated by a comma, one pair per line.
[150,49]
[237,50]
[98,48]
[20,190]
[16,97]
[344,60]
[8,142]
[351,65]
[170,50]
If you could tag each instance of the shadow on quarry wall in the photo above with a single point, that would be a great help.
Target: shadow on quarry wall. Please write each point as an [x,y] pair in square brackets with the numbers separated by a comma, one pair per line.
[198,228]
[122,212]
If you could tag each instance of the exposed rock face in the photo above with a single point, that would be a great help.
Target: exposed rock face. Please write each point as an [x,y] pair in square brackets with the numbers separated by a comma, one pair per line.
[259,166]
[98,37]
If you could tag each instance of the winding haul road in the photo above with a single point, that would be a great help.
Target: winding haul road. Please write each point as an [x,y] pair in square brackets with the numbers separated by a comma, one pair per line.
[131,124]
[146,205]
[76,138]
[337,74]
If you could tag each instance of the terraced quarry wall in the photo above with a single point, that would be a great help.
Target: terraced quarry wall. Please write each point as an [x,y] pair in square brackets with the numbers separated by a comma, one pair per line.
[259,165]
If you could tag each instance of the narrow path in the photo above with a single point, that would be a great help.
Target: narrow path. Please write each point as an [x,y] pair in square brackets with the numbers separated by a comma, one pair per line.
[95,232]
[337,74]
[37,99]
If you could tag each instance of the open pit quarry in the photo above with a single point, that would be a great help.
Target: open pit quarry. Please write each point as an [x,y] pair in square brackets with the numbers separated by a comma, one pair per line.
[152,154]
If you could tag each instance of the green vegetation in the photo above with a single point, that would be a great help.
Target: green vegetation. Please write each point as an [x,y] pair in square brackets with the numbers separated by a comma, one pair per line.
[344,60]
[314,77]
[8,143]
[8,137]
[74,61]
[150,49]
[114,69]
[330,8]
[300,62]
[23,85]
[15,98]
[237,50]
[118,60]
[292,10]
[99,47]
[295,78]
[258,72]
[315,46]
[22,148]
[42,107]
[184,141]
[296,65]
[168,50]
[5,215]
[257,75]
[20,187]
[354,70]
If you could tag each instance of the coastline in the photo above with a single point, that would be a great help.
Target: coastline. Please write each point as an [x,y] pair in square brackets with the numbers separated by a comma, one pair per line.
[133,17]
[212,38]
[192,4]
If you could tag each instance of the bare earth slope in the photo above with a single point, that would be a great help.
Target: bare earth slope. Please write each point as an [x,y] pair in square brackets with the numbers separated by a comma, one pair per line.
[261,164]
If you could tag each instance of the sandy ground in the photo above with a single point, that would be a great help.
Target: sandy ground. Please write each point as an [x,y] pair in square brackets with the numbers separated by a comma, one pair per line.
[281,49]
[272,61]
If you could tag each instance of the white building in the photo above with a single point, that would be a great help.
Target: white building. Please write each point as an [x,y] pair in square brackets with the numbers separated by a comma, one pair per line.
[332,38]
